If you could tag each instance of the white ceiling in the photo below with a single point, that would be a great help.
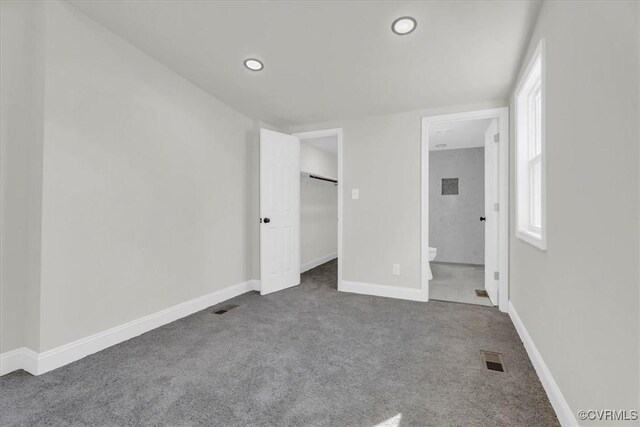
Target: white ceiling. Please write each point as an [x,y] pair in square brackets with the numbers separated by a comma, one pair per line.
[325,60]
[326,143]
[460,134]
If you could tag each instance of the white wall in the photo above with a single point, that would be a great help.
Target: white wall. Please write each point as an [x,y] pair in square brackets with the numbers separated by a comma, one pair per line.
[381,157]
[21,110]
[317,161]
[455,228]
[145,184]
[318,207]
[579,299]
[318,222]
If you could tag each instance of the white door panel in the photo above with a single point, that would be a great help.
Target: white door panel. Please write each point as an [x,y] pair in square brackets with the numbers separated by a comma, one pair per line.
[279,211]
[491,152]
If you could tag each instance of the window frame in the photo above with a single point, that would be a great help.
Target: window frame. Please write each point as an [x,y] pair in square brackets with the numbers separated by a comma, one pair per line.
[526,155]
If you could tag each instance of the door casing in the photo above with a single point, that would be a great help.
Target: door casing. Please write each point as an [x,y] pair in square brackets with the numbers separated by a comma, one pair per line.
[502,114]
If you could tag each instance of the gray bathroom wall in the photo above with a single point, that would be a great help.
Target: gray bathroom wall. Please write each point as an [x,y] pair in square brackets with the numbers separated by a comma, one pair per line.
[455,228]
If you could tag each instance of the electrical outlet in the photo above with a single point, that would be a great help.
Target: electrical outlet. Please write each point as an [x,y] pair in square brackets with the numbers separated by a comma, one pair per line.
[355,193]
[396,269]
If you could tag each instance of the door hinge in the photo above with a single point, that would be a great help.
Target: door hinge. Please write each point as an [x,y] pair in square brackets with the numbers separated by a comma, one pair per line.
[496,137]
[496,275]
[496,207]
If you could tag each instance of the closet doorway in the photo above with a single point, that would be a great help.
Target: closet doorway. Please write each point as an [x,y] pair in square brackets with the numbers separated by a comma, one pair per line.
[321,200]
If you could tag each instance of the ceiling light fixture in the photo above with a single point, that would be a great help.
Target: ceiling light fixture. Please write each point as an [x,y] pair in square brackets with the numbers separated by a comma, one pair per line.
[253,64]
[404,25]
[441,145]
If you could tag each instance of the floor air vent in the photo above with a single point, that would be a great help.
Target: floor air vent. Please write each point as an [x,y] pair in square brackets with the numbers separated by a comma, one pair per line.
[493,361]
[224,309]
[482,293]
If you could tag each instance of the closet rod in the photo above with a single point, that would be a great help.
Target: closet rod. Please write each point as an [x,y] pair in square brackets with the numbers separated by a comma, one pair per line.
[335,181]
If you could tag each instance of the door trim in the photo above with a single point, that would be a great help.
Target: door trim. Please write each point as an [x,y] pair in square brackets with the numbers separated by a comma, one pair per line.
[337,132]
[502,114]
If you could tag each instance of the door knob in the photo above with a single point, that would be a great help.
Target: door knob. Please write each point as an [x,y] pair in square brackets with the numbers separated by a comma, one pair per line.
[267,220]
[482,218]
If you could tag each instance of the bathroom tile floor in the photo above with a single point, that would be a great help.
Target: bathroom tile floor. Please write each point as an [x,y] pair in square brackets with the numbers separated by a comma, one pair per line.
[457,283]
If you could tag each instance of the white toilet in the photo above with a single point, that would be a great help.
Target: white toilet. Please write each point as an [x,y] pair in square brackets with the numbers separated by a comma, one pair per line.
[432,255]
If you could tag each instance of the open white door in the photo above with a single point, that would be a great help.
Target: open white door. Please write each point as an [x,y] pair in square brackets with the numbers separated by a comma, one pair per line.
[491,197]
[279,211]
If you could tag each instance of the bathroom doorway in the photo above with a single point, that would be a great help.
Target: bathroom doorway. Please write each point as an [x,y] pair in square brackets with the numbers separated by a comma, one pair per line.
[463,227]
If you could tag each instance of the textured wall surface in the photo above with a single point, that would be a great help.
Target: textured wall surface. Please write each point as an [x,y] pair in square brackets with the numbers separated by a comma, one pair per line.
[455,228]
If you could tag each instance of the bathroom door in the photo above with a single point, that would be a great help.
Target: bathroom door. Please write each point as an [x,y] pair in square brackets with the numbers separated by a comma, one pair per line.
[491,156]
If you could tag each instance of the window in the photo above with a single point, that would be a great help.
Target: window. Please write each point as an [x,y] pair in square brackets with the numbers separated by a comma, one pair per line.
[530,152]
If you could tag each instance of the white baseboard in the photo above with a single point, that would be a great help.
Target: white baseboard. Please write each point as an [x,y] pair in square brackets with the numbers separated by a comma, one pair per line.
[397,292]
[564,413]
[39,363]
[21,358]
[318,261]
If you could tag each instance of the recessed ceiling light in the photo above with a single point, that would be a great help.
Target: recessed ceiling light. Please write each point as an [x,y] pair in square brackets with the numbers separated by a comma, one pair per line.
[441,145]
[404,25]
[253,64]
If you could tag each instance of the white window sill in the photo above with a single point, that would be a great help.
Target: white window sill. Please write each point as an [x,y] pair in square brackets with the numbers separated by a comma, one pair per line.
[535,240]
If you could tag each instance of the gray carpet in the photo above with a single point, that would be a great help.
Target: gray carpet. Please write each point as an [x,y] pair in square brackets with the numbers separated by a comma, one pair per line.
[304,356]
